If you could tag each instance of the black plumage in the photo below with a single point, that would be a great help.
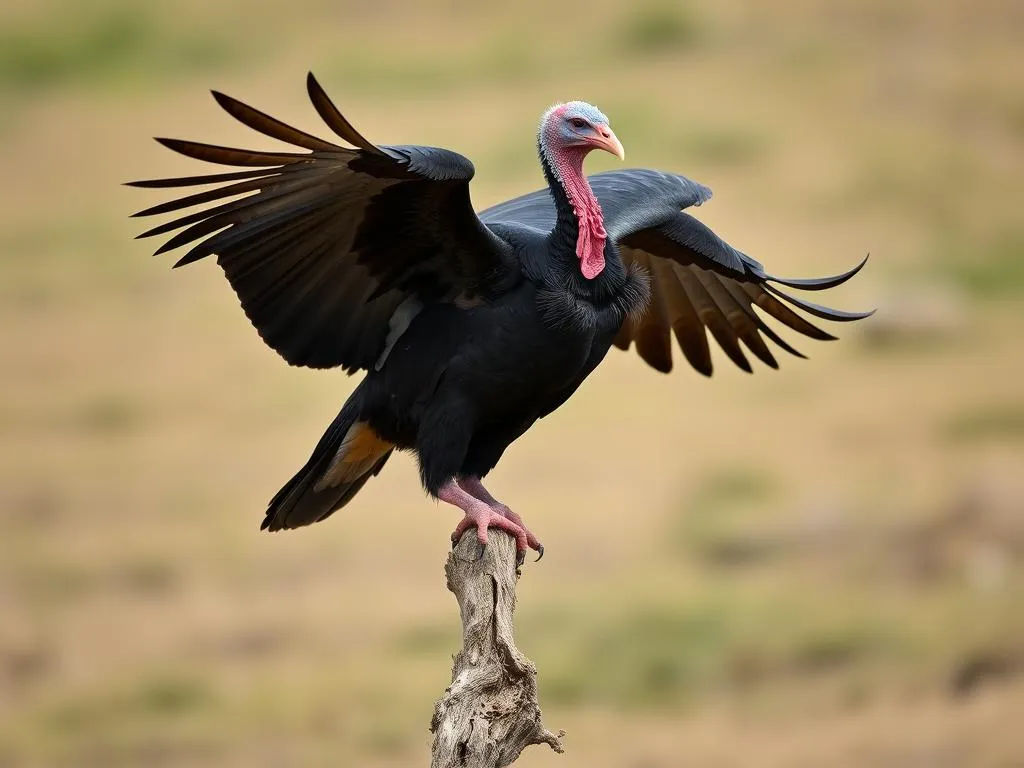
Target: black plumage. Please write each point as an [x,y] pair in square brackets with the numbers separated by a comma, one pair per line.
[470,327]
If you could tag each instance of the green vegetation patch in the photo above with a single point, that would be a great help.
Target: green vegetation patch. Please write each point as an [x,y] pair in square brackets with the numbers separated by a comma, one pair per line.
[108,414]
[159,696]
[993,268]
[75,46]
[723,146]
[714,521]
[661,27]
[670,657]
[991,421]
[732,485]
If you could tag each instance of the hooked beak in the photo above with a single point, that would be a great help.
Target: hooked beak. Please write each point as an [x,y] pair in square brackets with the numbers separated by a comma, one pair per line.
[609,142]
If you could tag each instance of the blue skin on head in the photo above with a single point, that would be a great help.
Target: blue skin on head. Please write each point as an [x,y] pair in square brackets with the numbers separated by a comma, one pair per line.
[580,120]
[576,123]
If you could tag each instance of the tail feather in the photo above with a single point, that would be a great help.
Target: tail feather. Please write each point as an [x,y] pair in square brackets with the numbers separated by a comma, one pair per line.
[348,455]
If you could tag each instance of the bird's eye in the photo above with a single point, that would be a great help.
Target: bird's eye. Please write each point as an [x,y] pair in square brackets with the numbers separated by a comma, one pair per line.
[577,122]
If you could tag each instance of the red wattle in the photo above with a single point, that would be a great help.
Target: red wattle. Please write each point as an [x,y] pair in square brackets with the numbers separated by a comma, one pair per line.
[591,268]
[591,235]
[590,242]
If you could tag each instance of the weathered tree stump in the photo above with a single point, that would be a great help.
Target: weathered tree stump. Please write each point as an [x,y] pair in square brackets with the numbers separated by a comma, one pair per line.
[489,714]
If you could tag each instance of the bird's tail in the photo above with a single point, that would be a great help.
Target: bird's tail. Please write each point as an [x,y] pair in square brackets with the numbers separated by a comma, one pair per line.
[348,455]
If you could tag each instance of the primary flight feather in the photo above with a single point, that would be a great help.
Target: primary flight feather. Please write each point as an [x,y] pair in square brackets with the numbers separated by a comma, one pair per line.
[470,327]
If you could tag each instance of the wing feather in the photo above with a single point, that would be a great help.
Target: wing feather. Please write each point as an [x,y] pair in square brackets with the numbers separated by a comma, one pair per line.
[714,318]
[784,314]
[322,245]
[744,301]
[739,317]
[651,329]
[825,313]
[231,190]
[699,283]
[334,119]
[214,153]
[820,283]
[270,126]
[680,316]
[195,181]
[687,325]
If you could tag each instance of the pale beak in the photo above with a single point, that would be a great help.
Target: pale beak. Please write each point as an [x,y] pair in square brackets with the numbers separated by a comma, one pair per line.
[609,142]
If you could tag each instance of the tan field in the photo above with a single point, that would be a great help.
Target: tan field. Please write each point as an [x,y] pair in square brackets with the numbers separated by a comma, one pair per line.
[819,566]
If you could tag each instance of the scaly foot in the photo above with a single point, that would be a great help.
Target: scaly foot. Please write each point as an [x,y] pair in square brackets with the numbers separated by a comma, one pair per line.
[475,488]
[482,516]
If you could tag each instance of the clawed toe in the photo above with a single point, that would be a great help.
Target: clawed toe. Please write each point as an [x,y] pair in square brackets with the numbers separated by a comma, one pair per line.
[484,514]
[485,518]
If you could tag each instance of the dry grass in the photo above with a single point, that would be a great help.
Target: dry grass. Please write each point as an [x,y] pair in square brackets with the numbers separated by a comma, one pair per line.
[819,566]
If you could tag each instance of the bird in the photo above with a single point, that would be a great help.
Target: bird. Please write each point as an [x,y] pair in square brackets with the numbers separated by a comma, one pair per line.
[469,327]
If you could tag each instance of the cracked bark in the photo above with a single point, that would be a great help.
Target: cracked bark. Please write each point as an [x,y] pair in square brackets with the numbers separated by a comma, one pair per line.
[489,714]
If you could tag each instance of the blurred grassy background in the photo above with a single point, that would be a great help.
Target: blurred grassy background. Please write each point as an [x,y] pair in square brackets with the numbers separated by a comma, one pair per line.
[817,566]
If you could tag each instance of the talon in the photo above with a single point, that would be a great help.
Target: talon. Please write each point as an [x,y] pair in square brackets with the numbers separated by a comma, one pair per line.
[482,511]
[540,552]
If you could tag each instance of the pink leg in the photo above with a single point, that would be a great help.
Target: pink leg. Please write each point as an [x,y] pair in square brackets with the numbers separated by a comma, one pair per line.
[481,516]
[475,488]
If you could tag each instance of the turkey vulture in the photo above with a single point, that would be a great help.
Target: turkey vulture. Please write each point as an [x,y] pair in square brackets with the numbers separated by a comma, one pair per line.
[470,327]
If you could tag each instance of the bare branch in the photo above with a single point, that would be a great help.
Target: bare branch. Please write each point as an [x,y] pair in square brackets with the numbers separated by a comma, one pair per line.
[489,714]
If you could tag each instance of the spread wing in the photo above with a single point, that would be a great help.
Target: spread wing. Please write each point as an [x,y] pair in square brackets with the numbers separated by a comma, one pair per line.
[323,246]
[699,283]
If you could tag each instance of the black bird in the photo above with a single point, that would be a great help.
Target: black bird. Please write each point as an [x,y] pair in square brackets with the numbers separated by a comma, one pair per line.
[469,327]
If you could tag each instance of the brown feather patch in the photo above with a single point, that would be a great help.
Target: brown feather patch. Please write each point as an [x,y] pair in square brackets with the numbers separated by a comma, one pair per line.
[360,450]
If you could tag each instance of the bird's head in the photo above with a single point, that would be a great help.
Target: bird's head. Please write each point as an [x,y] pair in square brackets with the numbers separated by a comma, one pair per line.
[579,126]
[568,132]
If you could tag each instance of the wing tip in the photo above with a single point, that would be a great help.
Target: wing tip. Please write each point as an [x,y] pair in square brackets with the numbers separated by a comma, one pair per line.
[313,87]
[658,358]
[163,248]
[223,100]
[702,365]
[819,311]
[335,120]
[175,145]
[187,259]
[815,283]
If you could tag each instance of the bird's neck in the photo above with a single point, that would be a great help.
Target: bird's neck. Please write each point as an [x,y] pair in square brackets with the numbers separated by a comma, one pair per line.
[579,213]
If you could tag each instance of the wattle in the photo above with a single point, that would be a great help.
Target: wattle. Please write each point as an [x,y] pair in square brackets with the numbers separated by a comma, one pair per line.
[590,232]
[590,242]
